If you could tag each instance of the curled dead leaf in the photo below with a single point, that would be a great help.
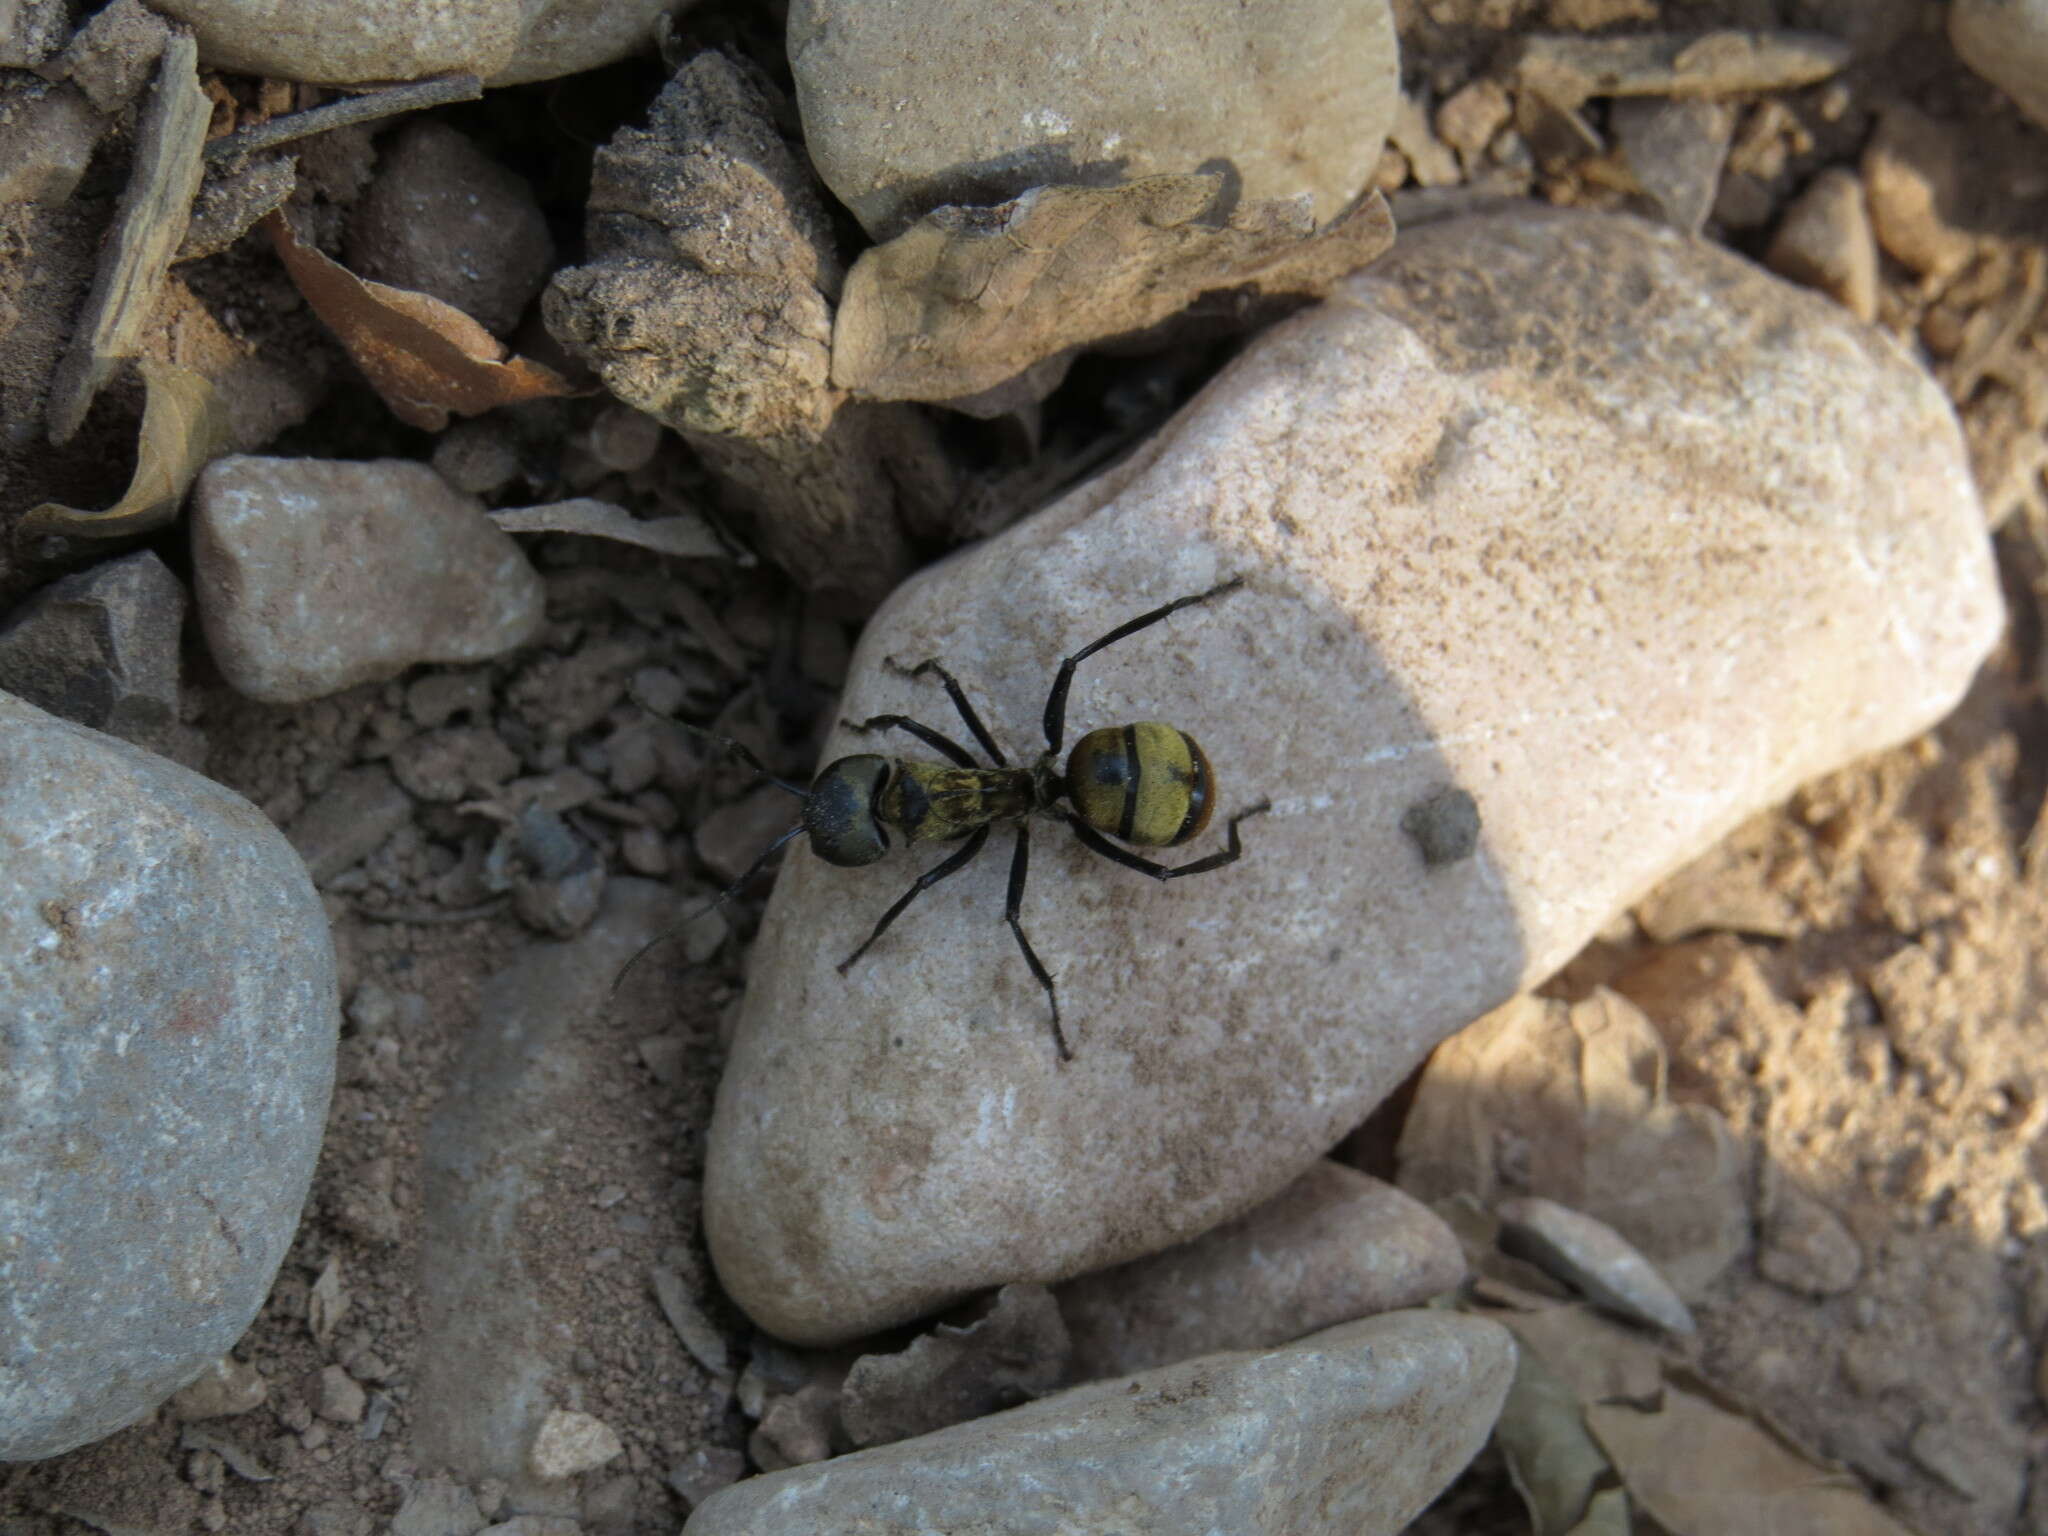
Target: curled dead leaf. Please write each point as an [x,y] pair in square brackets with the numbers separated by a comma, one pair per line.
[426,358]
[968,298]
[182,427]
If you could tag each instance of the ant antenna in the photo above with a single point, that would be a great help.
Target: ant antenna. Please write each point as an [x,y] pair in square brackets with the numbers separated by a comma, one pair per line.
[745,754]
[719,900]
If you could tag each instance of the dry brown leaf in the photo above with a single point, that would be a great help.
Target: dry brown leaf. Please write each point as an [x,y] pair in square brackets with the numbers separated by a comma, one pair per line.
[1704,1471]
[182,427]
[969,298]
[426,358]
[1571,1099]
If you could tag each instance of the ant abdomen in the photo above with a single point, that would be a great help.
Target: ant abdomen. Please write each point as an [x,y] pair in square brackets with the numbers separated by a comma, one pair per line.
[1147,784]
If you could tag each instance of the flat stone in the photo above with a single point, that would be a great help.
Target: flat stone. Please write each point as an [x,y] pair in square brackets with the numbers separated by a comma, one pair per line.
[1294,95]
[313,575]
[168,987]
[2006,41]
[1532,397]
[343,42]
[100,648]
[1350,1432]
[349,820]
[1333,1246]
[1591,1257]
[443,218]
[1825,242]
[1675,150]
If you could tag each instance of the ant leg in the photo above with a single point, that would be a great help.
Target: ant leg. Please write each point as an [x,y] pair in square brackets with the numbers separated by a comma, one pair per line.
[931,877]
[745,754]
[1056,701]
[959,697]
[920,730]
[1020,866]
[719,900]
[1144,866]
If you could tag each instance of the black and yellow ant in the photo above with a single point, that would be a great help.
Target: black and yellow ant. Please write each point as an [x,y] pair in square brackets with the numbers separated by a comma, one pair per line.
[1146,784]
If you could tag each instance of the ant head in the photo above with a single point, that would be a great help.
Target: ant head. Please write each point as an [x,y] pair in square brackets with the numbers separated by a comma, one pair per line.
[839,813]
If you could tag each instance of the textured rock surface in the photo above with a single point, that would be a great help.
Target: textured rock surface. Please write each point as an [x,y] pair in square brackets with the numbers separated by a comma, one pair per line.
[1349,1432]
[168,1018]
[443,218]
[313,575]
[2006,41]
[1293,96]
[705,302]
[47,134]
[342,41]
[1333,1246]
[101,649]
[1620,535]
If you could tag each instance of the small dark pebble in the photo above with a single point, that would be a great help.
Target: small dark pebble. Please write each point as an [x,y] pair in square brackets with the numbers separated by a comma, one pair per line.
[1445,826]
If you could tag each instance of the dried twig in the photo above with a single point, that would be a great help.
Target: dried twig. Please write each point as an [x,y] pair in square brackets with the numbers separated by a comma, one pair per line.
[330,115]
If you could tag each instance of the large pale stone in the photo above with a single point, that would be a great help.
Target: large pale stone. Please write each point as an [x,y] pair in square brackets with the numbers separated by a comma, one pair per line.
[343,42]
[1349,1432]
[910,104]
[167,1027]
[1614,532]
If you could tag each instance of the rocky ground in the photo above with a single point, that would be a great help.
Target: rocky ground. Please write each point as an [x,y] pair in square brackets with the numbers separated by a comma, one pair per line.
[1837,1002]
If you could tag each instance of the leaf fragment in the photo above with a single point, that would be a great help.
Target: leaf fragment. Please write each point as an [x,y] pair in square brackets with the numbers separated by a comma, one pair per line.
[1701,1470]
[427,359]
[1553,1462]
[1578,1091]
[684,534]
[183,426]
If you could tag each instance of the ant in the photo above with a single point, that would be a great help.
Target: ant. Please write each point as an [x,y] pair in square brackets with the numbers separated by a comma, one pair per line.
[1146,784]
